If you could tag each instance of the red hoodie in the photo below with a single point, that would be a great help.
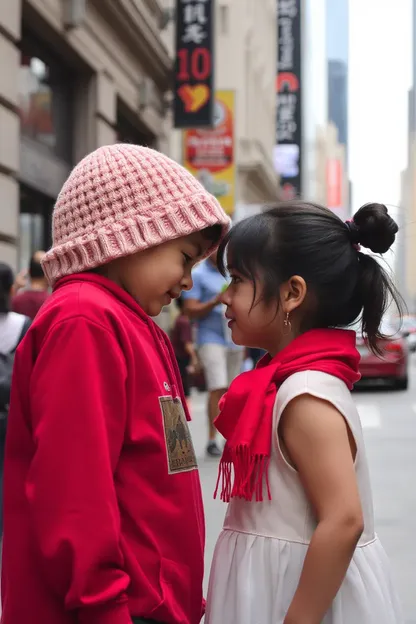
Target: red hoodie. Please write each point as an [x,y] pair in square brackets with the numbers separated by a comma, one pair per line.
[102,499]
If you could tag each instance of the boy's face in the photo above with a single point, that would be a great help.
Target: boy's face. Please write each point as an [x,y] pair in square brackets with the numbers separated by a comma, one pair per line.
[157,275]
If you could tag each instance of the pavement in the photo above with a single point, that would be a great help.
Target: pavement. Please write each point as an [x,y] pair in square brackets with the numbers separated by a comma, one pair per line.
[389,422]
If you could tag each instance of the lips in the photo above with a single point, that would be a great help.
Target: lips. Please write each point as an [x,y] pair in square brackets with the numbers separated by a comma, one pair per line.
[173,294]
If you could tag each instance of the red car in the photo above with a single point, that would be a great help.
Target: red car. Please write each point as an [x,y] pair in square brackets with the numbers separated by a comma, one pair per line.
[391,367]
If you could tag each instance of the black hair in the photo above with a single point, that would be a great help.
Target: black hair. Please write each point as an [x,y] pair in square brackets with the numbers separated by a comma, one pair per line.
[213,233]
[6,283]
[35,268]
[305,239]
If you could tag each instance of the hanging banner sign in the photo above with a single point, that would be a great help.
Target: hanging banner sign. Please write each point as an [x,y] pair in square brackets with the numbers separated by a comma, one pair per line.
[209,154]
[194,64]
[287,153]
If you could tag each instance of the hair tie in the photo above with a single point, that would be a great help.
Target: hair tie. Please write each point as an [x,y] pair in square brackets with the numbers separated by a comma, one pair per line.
[354,234]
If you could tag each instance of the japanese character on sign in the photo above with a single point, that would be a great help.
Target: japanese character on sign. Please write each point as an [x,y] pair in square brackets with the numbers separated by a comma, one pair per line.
[287,8]
[286,124]
[287,106]
[286,130]
[194,33]
[194,13]
[194,18]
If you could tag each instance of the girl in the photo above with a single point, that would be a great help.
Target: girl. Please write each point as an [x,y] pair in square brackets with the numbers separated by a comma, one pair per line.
[101,482]
[298,545]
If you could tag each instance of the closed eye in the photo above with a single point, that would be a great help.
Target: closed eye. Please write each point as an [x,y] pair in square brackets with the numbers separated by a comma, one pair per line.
[235,279]
[187,258]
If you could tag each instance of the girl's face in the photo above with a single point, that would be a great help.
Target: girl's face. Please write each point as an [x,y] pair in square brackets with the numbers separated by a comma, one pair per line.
[157,275]
[255,323]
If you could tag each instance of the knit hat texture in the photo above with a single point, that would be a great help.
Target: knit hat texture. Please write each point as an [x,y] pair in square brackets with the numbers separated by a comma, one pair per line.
[122,199]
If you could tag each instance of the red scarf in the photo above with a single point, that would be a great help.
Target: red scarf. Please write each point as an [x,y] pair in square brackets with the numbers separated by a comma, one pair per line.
[246,416]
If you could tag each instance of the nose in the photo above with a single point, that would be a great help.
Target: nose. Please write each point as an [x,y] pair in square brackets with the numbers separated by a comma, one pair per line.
[225,297]
[187,281]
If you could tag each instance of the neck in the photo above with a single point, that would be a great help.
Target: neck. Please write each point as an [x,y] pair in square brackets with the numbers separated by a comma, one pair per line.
[281,343]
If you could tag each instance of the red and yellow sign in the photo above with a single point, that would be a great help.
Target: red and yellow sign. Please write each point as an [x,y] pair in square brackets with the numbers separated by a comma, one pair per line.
[209,154]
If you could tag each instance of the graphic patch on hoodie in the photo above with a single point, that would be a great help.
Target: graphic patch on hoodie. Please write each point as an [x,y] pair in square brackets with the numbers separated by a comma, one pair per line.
[179,446]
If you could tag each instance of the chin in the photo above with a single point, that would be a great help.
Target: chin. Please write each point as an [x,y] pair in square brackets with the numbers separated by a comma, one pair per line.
[237,337]
[154,309]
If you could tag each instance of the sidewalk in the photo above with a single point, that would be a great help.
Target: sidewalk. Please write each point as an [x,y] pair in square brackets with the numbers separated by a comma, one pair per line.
[208,469]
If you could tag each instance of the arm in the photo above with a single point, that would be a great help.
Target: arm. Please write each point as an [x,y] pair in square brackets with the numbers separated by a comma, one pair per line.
[20,282]
[321,447]
[197,310]
[78,407]
[191,351]
[194,307]
[185,330]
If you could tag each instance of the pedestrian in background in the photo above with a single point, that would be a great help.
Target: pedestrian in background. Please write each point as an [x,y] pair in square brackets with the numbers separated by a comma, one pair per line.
[103,508]
[298,543]
[30,298]
[220,358]
[184,348]
[13,328]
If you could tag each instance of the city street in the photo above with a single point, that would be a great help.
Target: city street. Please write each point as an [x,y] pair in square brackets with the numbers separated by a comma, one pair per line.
[389,421]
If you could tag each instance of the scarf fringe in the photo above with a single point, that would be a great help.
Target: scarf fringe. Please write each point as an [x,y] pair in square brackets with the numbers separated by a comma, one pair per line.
[250,474]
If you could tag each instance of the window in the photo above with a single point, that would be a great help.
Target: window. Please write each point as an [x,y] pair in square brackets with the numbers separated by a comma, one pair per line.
[35,224]
[45,100]
[130,130]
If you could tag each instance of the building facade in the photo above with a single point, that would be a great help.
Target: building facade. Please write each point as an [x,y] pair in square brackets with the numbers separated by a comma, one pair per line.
[74,75]
[332,181]
[315,97]
[337,20]
[338,98]
[245,53]
[405,268]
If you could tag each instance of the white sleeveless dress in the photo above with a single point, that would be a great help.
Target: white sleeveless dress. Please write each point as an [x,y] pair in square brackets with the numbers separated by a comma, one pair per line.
[259,555]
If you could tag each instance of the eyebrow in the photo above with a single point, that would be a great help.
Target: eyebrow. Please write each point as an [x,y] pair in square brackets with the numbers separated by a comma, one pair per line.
[198,248]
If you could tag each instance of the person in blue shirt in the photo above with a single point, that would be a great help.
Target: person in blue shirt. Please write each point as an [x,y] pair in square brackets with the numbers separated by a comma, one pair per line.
[220,358]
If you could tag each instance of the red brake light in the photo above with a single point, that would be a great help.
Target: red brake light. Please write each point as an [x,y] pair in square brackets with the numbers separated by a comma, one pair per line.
[393,347]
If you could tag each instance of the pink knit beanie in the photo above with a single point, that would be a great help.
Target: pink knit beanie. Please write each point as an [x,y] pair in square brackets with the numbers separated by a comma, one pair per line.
[122,199]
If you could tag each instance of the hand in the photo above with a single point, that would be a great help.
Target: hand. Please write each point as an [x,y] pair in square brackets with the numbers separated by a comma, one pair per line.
[217,299]
[20,281]
[194,366]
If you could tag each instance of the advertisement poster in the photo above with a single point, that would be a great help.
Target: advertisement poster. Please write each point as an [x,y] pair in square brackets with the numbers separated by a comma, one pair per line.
[209,154]
[287,152]
[194,89]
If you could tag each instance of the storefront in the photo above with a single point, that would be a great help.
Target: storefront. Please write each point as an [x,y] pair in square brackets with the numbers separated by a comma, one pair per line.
[46,122]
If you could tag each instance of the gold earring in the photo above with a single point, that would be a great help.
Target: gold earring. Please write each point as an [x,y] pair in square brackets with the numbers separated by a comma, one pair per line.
[287,325]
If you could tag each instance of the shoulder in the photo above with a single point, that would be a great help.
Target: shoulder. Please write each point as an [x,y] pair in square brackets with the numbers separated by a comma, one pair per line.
[200,273]
[316,384]
[80,302]
[19,299]
[199,279]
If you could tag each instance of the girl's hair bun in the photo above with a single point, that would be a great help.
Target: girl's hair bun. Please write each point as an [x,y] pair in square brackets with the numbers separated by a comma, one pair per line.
[375,229]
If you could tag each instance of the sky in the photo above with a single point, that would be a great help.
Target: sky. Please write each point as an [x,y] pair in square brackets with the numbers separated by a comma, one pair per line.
[380,50]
